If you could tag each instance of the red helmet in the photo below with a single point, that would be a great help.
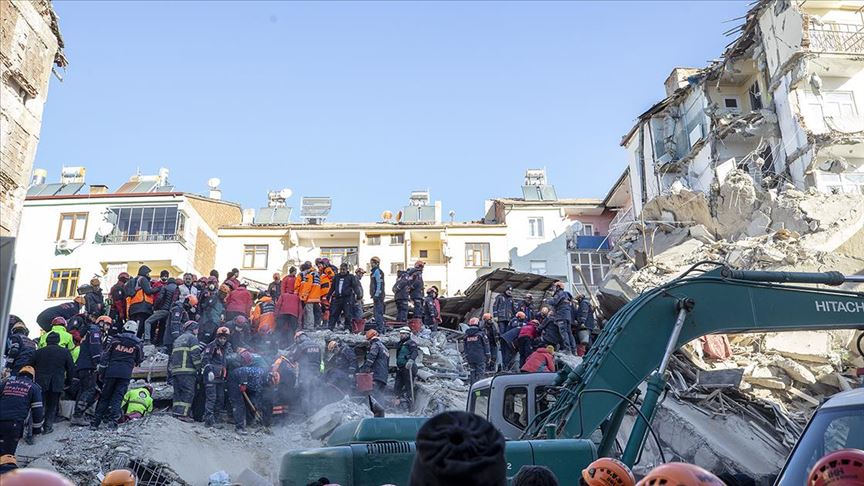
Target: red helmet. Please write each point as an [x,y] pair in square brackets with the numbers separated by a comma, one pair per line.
[193,300]
[58,321]
[844,467]
[371,333]
[419,264]
[608,472]
[520,315]
[123,276]
[223,331]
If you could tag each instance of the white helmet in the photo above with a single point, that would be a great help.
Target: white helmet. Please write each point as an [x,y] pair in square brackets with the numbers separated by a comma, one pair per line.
[130,326]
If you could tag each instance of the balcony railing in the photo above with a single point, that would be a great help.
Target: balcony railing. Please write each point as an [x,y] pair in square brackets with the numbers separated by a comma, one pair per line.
[834,37]
[142,238]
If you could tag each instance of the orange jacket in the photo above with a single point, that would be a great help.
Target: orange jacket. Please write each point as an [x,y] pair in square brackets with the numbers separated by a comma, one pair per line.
[308,286]
[264,316]
[326,279]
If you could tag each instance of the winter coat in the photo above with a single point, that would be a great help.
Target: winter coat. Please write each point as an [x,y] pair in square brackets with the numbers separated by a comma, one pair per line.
[66,340]
[476,346]
[326,275]
[306,352]
[584,313]
[256,379]
[18,397]
[211,306]
[142,283]
[432,309]
[213,360]
[343,287]
[288,304]
[264,316]
[377,361]
[550,332]
[66,310]
[511,336]
[540,360]
[308,286]
[184,291]
[118,300]
[20,351]
[90,349]
[287,285]
[94,303]
[402,287]
[344,360]
[416,276]
[122,354]
[137,400]
[239,300]
[504,308]
[54,367]
[185,355]
[168,294]
[560,305]
[528,330]
[176,318]
[406,350]
[376,283]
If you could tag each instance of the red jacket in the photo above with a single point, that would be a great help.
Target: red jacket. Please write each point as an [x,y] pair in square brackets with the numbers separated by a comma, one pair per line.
[288,303]
[540,360]
[239,300]
[287,284]
[528,330]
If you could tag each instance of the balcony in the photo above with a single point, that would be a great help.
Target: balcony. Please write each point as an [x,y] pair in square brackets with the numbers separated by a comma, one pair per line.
[834,37]
[120,238]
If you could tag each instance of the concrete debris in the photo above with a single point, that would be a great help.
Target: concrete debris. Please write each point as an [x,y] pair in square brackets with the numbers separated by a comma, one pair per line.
[802,345]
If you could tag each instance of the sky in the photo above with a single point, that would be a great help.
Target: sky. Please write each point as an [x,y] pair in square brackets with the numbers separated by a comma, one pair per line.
[366,102]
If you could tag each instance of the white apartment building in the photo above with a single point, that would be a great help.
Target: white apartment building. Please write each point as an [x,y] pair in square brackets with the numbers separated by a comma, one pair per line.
[70,233]
[455,253]
[784,103]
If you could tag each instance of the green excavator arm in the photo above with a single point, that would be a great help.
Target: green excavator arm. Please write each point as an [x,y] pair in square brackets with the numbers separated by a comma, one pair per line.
[641,335]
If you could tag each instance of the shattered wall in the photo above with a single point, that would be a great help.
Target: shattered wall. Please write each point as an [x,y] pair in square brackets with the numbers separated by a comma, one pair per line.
[30,45]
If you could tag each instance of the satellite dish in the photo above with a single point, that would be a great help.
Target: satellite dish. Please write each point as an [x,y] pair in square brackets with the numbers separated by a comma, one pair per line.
[399,216]
[213,182]
[285,193]
[105,228]
[386,216]
[62,244]
[577,227]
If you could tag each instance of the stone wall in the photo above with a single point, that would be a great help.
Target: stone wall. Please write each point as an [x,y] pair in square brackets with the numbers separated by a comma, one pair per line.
[30,45]
[205,252]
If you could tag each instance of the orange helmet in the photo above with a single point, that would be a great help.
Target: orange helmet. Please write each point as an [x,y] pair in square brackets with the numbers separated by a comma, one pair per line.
[119,477]
[487,316]
[29,370]
[608,472]
[105,319]
[520,315]
[193,300]
[371,333]
[29,476]
[331,346]
[844,467]
[680,473]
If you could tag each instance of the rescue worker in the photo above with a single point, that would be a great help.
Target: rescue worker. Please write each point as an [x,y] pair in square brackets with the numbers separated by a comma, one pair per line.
[19,396]
[120,477]
[358,323]
[263,319]
[417,285]
[559,305]
[288,310]
[527,306]
[583,315]
[526,340]
[122,354]
[401,294]
[117,294]
[238,302]
[181,313]
[210,309]
[509,338]
[406,367]
[308,288]
[680,473]
[549,331]
[21,348]
[240,332]
[90,351]
[606,471]
[504,309]
[187,288]
[490,328]
[214,362]
[274,290]
[137,403]
[249,383]
[377,362]
[327,272]
[154,326]
[54,367]
[184,364]
[341,366]
[306,352]
[540,361]
[94,302]
[342,296]
[477,351]
[58,325]
[140,296]
[376,291]
[66,311]
[432,309]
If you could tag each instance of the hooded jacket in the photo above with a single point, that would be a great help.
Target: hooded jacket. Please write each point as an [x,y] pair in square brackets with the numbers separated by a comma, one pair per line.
[377,361]
[560,303]
[137,400]
[288,303]
[239,300]
[66,340]
[287,284]
[90,349]
[54,366]
[67,311]
[264,315]
[140,303]
[168,294]
[540,360]
[376,283]
[122,354]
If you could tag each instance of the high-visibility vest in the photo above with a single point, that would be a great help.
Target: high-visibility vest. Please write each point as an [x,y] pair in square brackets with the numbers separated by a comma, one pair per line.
[139,296]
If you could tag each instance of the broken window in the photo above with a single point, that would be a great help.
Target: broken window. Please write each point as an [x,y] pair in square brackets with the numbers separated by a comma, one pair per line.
[731,104]
[755,96]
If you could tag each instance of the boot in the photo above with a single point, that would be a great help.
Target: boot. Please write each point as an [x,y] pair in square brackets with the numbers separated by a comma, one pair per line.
[79,421]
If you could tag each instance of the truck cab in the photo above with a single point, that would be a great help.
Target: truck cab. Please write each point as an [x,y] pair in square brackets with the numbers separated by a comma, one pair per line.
[837,424]
[510,402]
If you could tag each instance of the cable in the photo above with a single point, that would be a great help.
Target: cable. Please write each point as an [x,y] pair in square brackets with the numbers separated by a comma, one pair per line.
[632,404]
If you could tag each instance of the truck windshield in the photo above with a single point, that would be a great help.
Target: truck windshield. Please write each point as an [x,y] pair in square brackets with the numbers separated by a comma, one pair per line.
[830,429]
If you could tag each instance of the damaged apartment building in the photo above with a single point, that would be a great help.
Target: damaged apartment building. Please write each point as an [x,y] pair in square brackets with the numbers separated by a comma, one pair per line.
[784,104]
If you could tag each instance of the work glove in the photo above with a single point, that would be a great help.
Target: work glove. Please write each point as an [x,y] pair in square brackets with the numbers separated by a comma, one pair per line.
[210,377]
[410,363]
[243,388]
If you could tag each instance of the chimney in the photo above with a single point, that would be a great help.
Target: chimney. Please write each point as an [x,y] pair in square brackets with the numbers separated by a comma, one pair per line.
[39,176]
[248,216]
[98,189]
[215,193]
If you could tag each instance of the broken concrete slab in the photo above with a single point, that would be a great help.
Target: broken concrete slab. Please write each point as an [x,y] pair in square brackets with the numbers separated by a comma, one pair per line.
[801,345]
[796,371]
[677,255]
[759,224]
[766,378]
[701,233]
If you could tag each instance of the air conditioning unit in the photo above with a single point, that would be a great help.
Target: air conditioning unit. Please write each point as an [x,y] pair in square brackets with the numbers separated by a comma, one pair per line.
[63,246]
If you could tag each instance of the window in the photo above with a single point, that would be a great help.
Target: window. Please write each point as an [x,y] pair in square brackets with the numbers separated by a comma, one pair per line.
[255,256]
[731,104]
[63,283]
[544,398]
[538,267]
[587,229]
[593,264]
[159,223]
[476,255]
[515,408]
[73,226]
[831,104]
[396,268]
[755,96]
[340,254]
[424,253]
[535,227]
[373,240]
[397,238]
[480,402]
